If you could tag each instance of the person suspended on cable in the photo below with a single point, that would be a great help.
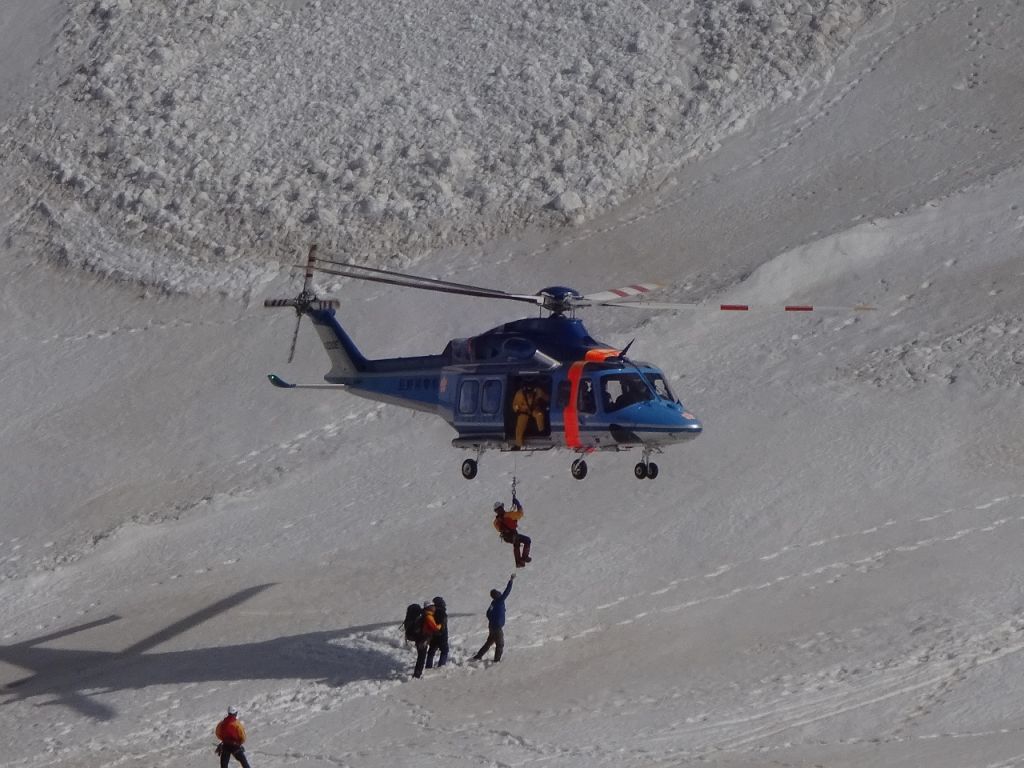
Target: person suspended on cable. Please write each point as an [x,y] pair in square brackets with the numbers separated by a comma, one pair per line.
[506,523]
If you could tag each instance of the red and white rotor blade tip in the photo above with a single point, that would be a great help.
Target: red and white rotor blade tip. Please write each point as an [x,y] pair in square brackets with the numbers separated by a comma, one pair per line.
[641,304]
[795,308]
[648,305]
[626,293]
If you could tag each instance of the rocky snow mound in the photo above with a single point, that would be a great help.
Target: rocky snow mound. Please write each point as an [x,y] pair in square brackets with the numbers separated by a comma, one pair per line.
[193,145]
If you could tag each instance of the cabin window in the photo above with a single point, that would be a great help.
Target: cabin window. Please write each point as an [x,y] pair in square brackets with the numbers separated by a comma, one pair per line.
[469,397]
[586,402]
[491,400]
[623,389]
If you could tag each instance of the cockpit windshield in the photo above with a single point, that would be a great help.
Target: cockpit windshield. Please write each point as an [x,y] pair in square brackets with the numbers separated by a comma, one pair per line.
[619,390]
[657,381]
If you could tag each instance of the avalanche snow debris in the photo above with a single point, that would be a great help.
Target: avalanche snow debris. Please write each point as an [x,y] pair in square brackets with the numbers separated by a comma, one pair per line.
[265,126]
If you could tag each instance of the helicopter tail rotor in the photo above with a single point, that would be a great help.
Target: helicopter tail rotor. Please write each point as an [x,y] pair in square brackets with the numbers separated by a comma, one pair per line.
[295,338]
[305,302]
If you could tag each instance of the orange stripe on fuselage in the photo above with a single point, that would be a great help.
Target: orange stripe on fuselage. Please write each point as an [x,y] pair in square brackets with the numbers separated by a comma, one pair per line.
[570,416]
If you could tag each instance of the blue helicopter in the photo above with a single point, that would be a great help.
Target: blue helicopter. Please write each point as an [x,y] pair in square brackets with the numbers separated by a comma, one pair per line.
[532,384]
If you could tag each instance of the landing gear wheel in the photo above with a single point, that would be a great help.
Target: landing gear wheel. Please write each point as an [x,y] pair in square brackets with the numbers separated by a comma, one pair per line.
[652,470]
[640,470]
[579,469]
[469,469]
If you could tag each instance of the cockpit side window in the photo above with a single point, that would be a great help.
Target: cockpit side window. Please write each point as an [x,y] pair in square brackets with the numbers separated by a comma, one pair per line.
[562,396]
[661,387]
[619,390]
[586,402]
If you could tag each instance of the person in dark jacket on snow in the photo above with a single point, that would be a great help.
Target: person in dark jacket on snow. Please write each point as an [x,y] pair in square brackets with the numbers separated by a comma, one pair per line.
[429,628]
[496,622]
[439,640]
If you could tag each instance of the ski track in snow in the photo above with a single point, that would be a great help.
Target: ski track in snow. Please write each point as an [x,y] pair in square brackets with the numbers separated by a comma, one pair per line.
[835,571]
[793,703]
[925,671]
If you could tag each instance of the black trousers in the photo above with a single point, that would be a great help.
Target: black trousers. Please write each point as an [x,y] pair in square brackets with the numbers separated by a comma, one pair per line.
[421,657]
[520,544]
[227,752]
[495,637]
[438,644]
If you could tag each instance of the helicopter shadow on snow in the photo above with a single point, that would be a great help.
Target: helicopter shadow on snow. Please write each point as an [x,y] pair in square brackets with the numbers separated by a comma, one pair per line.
[73,678]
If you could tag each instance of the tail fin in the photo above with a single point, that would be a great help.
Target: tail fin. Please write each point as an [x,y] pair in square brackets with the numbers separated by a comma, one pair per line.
[347,362]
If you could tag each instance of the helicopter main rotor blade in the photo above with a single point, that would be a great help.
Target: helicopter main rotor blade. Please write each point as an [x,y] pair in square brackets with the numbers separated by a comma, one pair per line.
[797,308]
[307,281]
[441,286]
[735,307]
[418,278]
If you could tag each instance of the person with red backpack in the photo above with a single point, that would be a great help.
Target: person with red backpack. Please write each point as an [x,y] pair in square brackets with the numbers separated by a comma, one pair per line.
[427,629]
[231,733]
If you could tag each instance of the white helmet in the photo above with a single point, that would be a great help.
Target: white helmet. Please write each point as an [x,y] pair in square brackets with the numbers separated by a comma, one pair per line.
[232,710]
[498,505]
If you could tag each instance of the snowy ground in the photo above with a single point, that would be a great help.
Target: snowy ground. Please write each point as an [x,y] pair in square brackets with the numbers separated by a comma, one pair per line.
[828,576]
[207,140]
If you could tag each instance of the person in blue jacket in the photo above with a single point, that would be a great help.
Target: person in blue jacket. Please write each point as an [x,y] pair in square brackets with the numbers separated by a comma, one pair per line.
[496,622]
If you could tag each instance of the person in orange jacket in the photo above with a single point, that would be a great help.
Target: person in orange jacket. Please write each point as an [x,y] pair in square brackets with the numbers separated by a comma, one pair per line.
[428,629]
[439,642]
[506,523]
[231,733]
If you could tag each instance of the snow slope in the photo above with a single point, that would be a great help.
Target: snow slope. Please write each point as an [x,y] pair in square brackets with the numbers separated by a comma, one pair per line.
[209,140]
[828,576]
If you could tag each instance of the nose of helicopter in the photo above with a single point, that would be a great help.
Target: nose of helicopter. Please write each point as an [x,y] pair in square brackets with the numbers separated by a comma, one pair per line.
[689,426]
[663,423]
[656,423]
[684,425]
